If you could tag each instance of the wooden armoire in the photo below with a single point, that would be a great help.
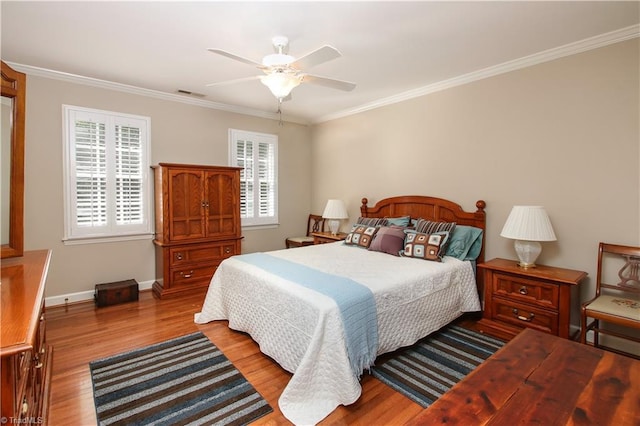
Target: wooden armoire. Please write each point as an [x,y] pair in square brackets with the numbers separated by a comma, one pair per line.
[197,214]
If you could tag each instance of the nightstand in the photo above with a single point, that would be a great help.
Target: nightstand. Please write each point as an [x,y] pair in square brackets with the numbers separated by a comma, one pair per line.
[537,298]
[327,237]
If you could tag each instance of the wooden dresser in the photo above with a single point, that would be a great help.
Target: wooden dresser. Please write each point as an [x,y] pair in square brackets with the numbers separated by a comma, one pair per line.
[517,298]
[197,210]
[26,357]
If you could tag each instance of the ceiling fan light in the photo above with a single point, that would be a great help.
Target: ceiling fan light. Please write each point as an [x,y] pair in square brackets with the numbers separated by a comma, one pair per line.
[280,84]
[276,59]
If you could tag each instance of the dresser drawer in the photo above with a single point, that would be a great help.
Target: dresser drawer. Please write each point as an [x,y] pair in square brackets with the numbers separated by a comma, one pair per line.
[190,275]
[201,253]
[526,290]
[524,315]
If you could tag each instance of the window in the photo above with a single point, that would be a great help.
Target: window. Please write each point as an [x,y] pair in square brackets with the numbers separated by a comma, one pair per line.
[106,168]
[257,154]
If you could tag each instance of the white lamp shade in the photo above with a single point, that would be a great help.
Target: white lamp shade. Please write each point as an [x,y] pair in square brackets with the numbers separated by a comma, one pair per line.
[528,223]
[280,84]
[335,209]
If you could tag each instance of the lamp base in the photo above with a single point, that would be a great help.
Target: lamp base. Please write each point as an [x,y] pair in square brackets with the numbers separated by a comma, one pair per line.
[528,252]
[334,225]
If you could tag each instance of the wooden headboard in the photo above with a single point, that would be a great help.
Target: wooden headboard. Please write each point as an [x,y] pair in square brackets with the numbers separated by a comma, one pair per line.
[430,208]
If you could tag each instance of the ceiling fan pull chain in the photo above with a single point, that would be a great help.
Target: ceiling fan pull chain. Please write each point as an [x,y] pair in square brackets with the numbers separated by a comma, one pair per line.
[280,122]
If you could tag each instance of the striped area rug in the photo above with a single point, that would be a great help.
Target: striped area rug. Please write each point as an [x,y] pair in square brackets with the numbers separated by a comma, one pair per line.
[178,382]
[428,369]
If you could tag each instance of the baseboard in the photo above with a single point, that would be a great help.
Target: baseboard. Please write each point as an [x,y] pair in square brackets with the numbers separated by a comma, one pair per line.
[84,296]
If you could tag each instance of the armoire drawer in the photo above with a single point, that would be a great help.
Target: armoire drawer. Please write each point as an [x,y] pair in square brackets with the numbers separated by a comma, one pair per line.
[524,315]
[526,290]
[189,275]
[201,253]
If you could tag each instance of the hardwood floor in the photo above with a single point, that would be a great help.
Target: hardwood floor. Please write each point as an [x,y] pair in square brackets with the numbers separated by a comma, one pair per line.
[81,333]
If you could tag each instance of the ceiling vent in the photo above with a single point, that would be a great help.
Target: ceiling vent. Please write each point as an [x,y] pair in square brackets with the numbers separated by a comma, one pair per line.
[190,93]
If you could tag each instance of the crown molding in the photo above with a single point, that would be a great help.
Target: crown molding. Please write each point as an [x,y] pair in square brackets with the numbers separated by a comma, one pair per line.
[591,43]
[109,85]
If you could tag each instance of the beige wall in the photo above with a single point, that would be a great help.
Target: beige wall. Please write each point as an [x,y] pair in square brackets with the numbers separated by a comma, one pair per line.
[563,134]
[180,133]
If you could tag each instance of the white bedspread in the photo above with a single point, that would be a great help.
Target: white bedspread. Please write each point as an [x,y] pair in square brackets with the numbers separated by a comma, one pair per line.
[302,329]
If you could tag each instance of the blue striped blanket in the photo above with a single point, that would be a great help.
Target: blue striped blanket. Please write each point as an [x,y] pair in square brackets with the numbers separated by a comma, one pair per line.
[355,302]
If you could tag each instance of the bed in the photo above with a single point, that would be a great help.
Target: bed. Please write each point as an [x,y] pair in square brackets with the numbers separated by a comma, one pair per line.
[324,312]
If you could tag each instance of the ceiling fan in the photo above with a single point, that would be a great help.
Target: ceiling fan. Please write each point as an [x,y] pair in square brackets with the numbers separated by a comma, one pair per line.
[282,72]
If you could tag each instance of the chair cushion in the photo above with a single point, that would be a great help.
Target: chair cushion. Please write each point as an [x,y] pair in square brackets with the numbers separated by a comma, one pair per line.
[300,240]
[626,307]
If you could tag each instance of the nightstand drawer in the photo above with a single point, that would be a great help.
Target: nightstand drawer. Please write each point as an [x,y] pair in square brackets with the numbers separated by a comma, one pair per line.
[515,298]
[523,315]
[526,290]
[327,237]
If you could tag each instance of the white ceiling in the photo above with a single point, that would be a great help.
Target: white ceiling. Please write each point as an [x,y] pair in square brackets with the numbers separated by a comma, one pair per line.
[392,50]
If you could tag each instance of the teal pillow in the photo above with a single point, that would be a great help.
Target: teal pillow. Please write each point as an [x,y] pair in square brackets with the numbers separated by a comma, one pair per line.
[399,221]
[465,243]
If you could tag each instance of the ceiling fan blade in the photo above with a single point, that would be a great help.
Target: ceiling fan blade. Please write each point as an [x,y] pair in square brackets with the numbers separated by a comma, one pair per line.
[329,82]
[318,56]
[234,56]
[234,81]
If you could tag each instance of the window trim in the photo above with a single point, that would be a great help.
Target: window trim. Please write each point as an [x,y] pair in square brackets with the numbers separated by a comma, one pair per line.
[234,136]
[111,232]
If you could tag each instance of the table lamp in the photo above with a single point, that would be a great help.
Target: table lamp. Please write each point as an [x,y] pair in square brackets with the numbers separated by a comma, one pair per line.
[335,211]
[528,225]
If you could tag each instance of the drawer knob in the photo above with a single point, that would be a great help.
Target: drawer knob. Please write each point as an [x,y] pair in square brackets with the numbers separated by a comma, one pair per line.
[186,275]
[179,256]
[37,362]
[227,250]
[523,318]
[523,290]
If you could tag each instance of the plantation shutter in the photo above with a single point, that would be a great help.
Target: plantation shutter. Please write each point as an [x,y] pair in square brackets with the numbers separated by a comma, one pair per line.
[129,179]
[91,173]
[256,155]
[107,174]
[244,155]
[266,180]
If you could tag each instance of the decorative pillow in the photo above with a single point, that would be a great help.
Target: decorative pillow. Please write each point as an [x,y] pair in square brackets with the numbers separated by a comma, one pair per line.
[465,243]
[399,221]
[388,239]
[425,246]
[372,221]
[361,235]
[429,227]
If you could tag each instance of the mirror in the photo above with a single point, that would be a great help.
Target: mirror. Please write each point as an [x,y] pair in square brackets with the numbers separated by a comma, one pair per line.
[12,162]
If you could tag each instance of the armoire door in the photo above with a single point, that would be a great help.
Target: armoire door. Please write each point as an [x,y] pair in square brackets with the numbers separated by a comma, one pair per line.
[222,190]
[187,204]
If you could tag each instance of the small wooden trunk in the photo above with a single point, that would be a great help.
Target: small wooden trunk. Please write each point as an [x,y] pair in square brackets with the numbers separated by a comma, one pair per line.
[108,294]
